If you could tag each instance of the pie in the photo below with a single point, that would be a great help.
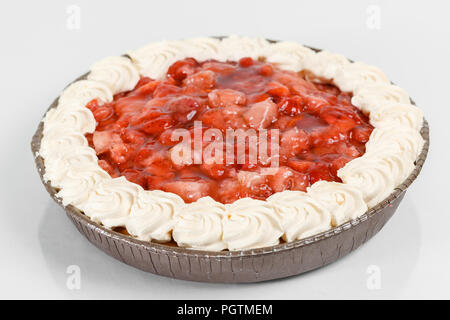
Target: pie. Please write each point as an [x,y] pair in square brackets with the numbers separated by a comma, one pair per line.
[229,144]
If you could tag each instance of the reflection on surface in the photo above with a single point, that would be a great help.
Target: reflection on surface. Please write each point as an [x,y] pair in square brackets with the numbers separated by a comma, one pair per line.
[394,251]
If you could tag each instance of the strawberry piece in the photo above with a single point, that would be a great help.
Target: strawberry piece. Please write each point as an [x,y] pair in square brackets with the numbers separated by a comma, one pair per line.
[276,89]
[225,98]
[128,105]
[164,90]
[103,112]
[119,153]
[157,125]
[319,172]
[184,108]
[103,140]
[224,118]
[254,185]
[203,80]
[190,191]
[160,168]
[348,150]
[343,118]
[214,170]
[132,136]
[324,136]
[166,138]
[142,81]
[293,142]
[146,89]
[229,190]
[92,105]
[135,176]
[148,155]
[361,133]
[182,69]
[261,114]
[246,62]
[266,70]
[105,165]
[314,103]
[292,106]
[301,165]
[220,68]
[285,178]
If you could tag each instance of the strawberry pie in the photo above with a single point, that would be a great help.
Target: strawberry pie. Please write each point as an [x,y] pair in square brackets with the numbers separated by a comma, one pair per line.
[229,144]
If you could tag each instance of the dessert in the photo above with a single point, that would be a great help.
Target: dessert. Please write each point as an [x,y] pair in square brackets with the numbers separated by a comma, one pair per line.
[345,138]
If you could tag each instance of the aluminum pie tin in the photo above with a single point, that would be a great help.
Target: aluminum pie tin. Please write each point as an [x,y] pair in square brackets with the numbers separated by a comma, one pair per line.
[254,265]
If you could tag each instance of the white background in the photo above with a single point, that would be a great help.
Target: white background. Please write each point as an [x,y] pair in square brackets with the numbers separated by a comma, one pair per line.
[40,55]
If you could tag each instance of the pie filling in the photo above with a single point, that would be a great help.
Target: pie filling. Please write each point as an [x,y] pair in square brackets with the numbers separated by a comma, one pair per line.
[318,130]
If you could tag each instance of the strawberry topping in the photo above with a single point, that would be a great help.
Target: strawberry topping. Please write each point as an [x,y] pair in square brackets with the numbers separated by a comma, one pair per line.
[319,130]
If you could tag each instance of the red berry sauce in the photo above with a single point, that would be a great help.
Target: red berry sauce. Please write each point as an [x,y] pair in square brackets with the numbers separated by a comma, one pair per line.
[319,129]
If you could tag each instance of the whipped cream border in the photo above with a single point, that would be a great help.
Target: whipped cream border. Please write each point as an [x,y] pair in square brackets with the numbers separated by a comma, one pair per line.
[71,165]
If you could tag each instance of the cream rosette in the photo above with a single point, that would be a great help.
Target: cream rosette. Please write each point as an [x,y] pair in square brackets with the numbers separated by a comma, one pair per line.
[398,115]
[372,97]
[70,116]
[354,76]
[235,47]
[373,177]
[398,163]
[111,201]
[155,59]
[78,184]
[83,91]
[343,201]
[301,216]
[404,140]
[288,55]
[57,168]
[152,215]
[203,48]
[251,223]
[199,225]
[119,74]
[324,64]
[59,141]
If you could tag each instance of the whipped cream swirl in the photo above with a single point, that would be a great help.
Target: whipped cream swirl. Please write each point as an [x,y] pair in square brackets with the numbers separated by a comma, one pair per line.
[251,223]
[372,97]
[324,64]
[199,225]
[372,176]
[405,140]
[354,76]
[234,48]
[78,185]
[397,115]
[289,55]
[152,215]
[70,117]
[301,215]
[81,92]
[119,74]
[111,201]
[343,201]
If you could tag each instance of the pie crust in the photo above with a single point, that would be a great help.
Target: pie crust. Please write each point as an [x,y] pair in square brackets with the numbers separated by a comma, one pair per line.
[72,166]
